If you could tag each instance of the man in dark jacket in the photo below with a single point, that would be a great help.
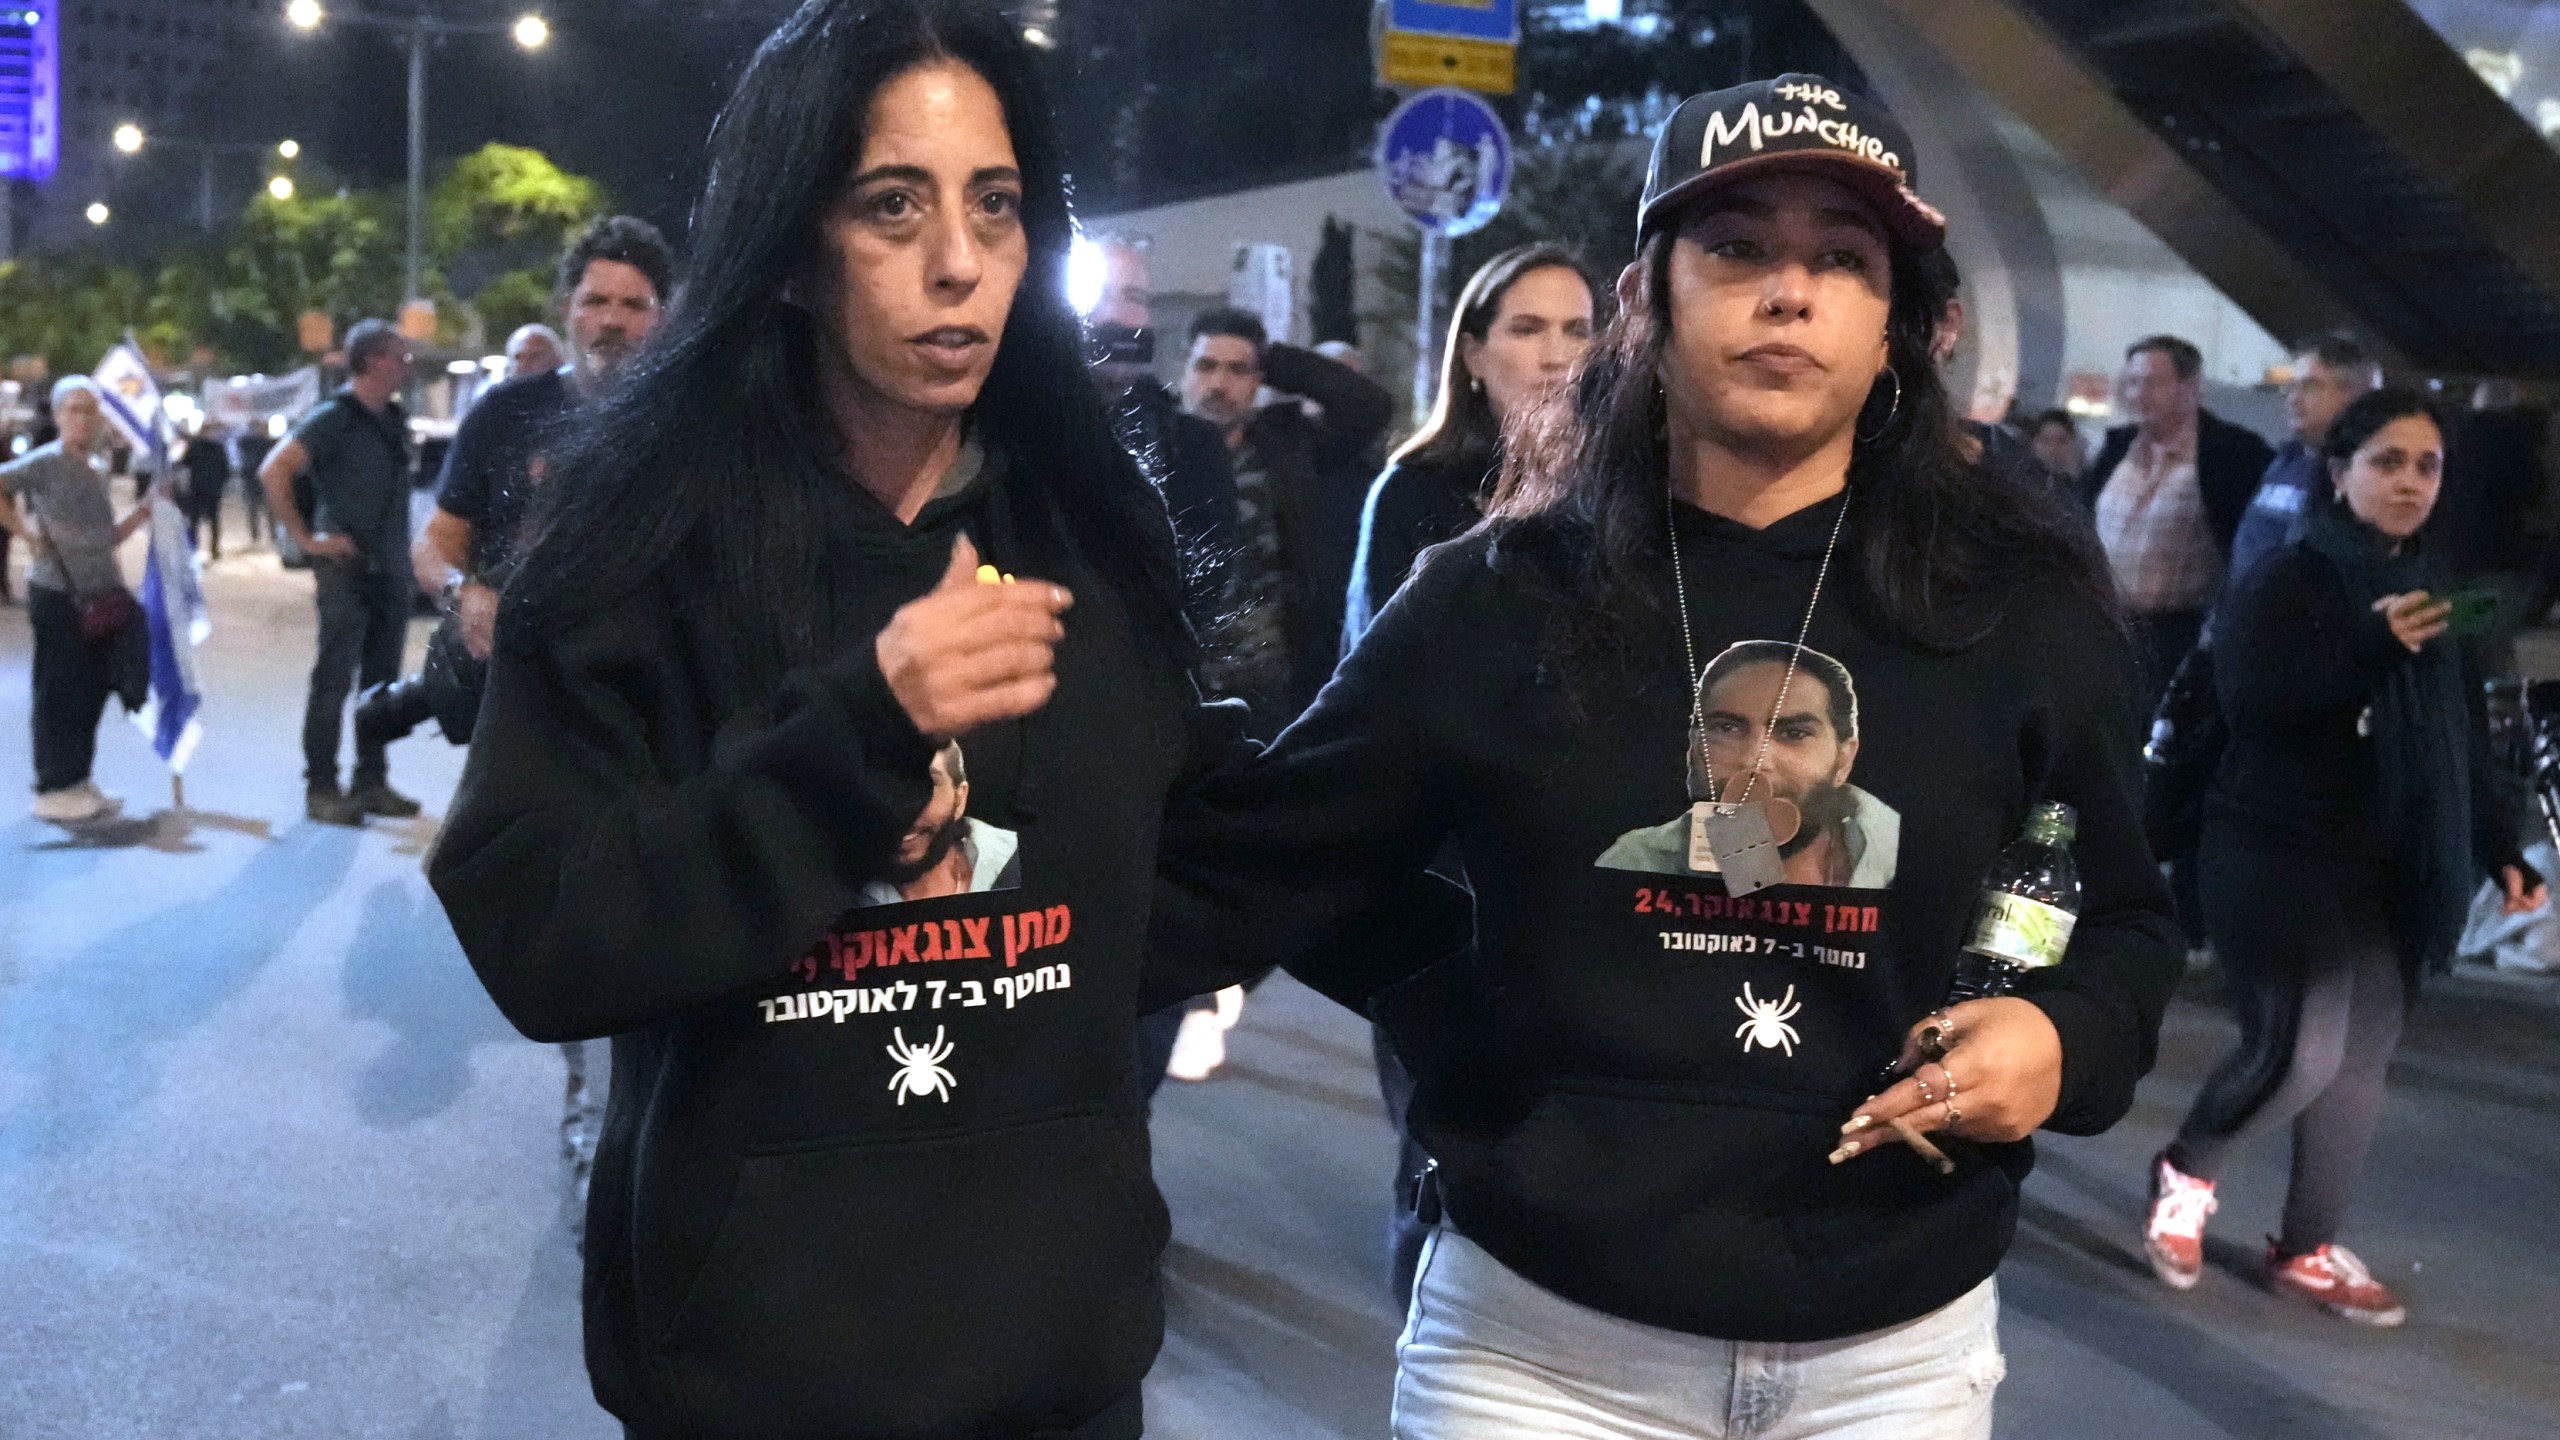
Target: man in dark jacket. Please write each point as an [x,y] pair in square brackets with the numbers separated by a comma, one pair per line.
[1288,564]
[356,447]
[1186,454]
[2168,492]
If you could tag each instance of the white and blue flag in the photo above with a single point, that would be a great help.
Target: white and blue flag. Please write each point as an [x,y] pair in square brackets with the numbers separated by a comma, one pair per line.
[133,403]
[174,617]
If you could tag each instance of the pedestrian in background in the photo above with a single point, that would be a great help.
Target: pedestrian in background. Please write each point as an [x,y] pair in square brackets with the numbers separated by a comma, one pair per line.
[2348,825]
[356,448]
[57,499]
[2168,491]
[533,350]
[2060,454]
[205,465]
[1522,323]
[1285,569]
[2328,375]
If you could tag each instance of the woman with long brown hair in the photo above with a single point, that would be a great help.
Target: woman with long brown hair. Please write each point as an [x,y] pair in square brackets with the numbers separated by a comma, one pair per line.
[1523,321]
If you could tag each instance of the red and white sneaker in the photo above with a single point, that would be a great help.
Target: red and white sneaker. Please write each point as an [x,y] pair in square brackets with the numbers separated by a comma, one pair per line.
[2173,1238]
[2332,1278]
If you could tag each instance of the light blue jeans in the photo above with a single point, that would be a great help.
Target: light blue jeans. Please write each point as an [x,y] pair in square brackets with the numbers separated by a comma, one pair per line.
[1487,1355]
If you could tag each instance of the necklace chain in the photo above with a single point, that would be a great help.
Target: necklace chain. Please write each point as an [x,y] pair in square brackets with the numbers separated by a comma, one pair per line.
[1689,646]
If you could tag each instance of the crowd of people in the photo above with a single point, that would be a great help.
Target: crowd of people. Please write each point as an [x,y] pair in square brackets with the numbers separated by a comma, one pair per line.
[844,629]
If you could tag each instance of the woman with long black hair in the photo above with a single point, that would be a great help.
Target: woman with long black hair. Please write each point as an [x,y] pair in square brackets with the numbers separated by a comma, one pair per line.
[1728,707]
[1523,321]
[796,778]
[2349,822]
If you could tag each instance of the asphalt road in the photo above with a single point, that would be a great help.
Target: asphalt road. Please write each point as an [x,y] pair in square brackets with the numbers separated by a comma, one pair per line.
[272,1166]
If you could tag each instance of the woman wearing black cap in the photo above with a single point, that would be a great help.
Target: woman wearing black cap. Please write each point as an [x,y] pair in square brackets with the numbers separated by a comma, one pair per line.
[1754,564]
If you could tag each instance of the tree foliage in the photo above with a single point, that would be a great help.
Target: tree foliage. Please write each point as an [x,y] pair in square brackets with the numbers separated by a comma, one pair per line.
[497,219]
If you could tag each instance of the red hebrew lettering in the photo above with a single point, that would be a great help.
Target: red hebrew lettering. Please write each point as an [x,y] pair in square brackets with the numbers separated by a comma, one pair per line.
[1012,939]
[976,949]
[902,946]
[1060,921]
[932,943]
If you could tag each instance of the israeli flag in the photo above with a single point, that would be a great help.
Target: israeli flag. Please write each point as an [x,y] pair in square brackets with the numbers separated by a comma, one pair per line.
[133,402]
[174,617]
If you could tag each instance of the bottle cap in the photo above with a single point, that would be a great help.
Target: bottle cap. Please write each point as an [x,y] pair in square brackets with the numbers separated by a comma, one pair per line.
[2053,823]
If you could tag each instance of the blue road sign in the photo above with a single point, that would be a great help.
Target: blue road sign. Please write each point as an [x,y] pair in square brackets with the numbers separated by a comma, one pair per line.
[1446,161]
[1468,19]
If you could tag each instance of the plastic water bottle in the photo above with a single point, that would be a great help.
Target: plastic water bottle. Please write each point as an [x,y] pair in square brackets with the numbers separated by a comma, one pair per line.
[2030,904]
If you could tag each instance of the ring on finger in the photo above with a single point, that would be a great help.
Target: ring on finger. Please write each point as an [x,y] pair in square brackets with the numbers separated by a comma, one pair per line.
[1927,1097]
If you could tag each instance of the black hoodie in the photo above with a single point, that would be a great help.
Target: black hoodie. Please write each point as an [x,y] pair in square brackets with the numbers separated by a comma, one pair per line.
[873,1172]
[1632,1084]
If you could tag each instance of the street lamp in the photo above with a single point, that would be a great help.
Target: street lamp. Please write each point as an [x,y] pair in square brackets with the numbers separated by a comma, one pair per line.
[130,140]
[281,187]
[530,32]
[98,212]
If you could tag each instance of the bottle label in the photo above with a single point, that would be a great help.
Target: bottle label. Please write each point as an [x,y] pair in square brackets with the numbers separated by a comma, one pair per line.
[2026,933]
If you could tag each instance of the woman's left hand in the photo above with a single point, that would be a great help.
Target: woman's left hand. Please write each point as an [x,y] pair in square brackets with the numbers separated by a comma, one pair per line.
[2520,900]
[2000,1077]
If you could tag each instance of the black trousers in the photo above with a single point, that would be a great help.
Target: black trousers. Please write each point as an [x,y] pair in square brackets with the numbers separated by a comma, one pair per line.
[73,678]
[364,625]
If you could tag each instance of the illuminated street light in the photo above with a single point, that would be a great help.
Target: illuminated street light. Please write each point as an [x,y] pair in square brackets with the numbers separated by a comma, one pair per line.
[98,212]
[1088,273]
[129,138]
[532,32]
[289,149]
[303,14]
[281,187]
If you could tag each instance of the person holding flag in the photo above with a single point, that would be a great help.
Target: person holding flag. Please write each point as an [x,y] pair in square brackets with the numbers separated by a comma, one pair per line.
[83,617]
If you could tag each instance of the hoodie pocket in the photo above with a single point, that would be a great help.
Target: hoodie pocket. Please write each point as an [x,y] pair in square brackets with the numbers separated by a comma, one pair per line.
[988,1282]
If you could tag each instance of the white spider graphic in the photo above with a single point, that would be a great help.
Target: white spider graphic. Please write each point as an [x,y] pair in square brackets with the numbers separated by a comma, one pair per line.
[920,1069]
[1765,1023]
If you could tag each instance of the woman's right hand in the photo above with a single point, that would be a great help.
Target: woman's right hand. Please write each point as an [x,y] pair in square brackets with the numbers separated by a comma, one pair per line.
[969,653]
[2415,618]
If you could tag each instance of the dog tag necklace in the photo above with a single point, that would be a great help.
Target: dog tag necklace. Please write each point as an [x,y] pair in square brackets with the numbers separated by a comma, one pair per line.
[1729,832]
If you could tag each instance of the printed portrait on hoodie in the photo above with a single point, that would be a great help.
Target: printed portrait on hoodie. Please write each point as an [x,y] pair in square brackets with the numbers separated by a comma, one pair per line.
[946,852]
[1848,839]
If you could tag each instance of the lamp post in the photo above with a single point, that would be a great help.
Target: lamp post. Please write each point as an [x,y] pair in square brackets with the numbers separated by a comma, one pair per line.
[529,31]
[131,139]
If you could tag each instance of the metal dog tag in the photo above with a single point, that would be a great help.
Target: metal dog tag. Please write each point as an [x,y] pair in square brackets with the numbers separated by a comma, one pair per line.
[1735,841]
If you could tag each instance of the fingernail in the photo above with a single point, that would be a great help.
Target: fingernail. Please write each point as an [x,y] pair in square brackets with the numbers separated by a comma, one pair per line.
[1844,1152]
[1857,1123]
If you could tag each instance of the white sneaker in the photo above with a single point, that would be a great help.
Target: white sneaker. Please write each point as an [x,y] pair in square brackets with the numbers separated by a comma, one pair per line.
[1201,1046]
[69,805]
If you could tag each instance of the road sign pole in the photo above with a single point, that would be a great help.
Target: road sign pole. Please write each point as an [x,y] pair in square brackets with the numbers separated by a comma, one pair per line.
[1426,331]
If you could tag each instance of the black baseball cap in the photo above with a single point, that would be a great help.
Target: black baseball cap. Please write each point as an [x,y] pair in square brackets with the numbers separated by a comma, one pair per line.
[1795,122]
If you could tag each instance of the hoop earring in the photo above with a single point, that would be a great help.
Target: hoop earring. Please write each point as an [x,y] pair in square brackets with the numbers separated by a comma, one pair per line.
[1890,411]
